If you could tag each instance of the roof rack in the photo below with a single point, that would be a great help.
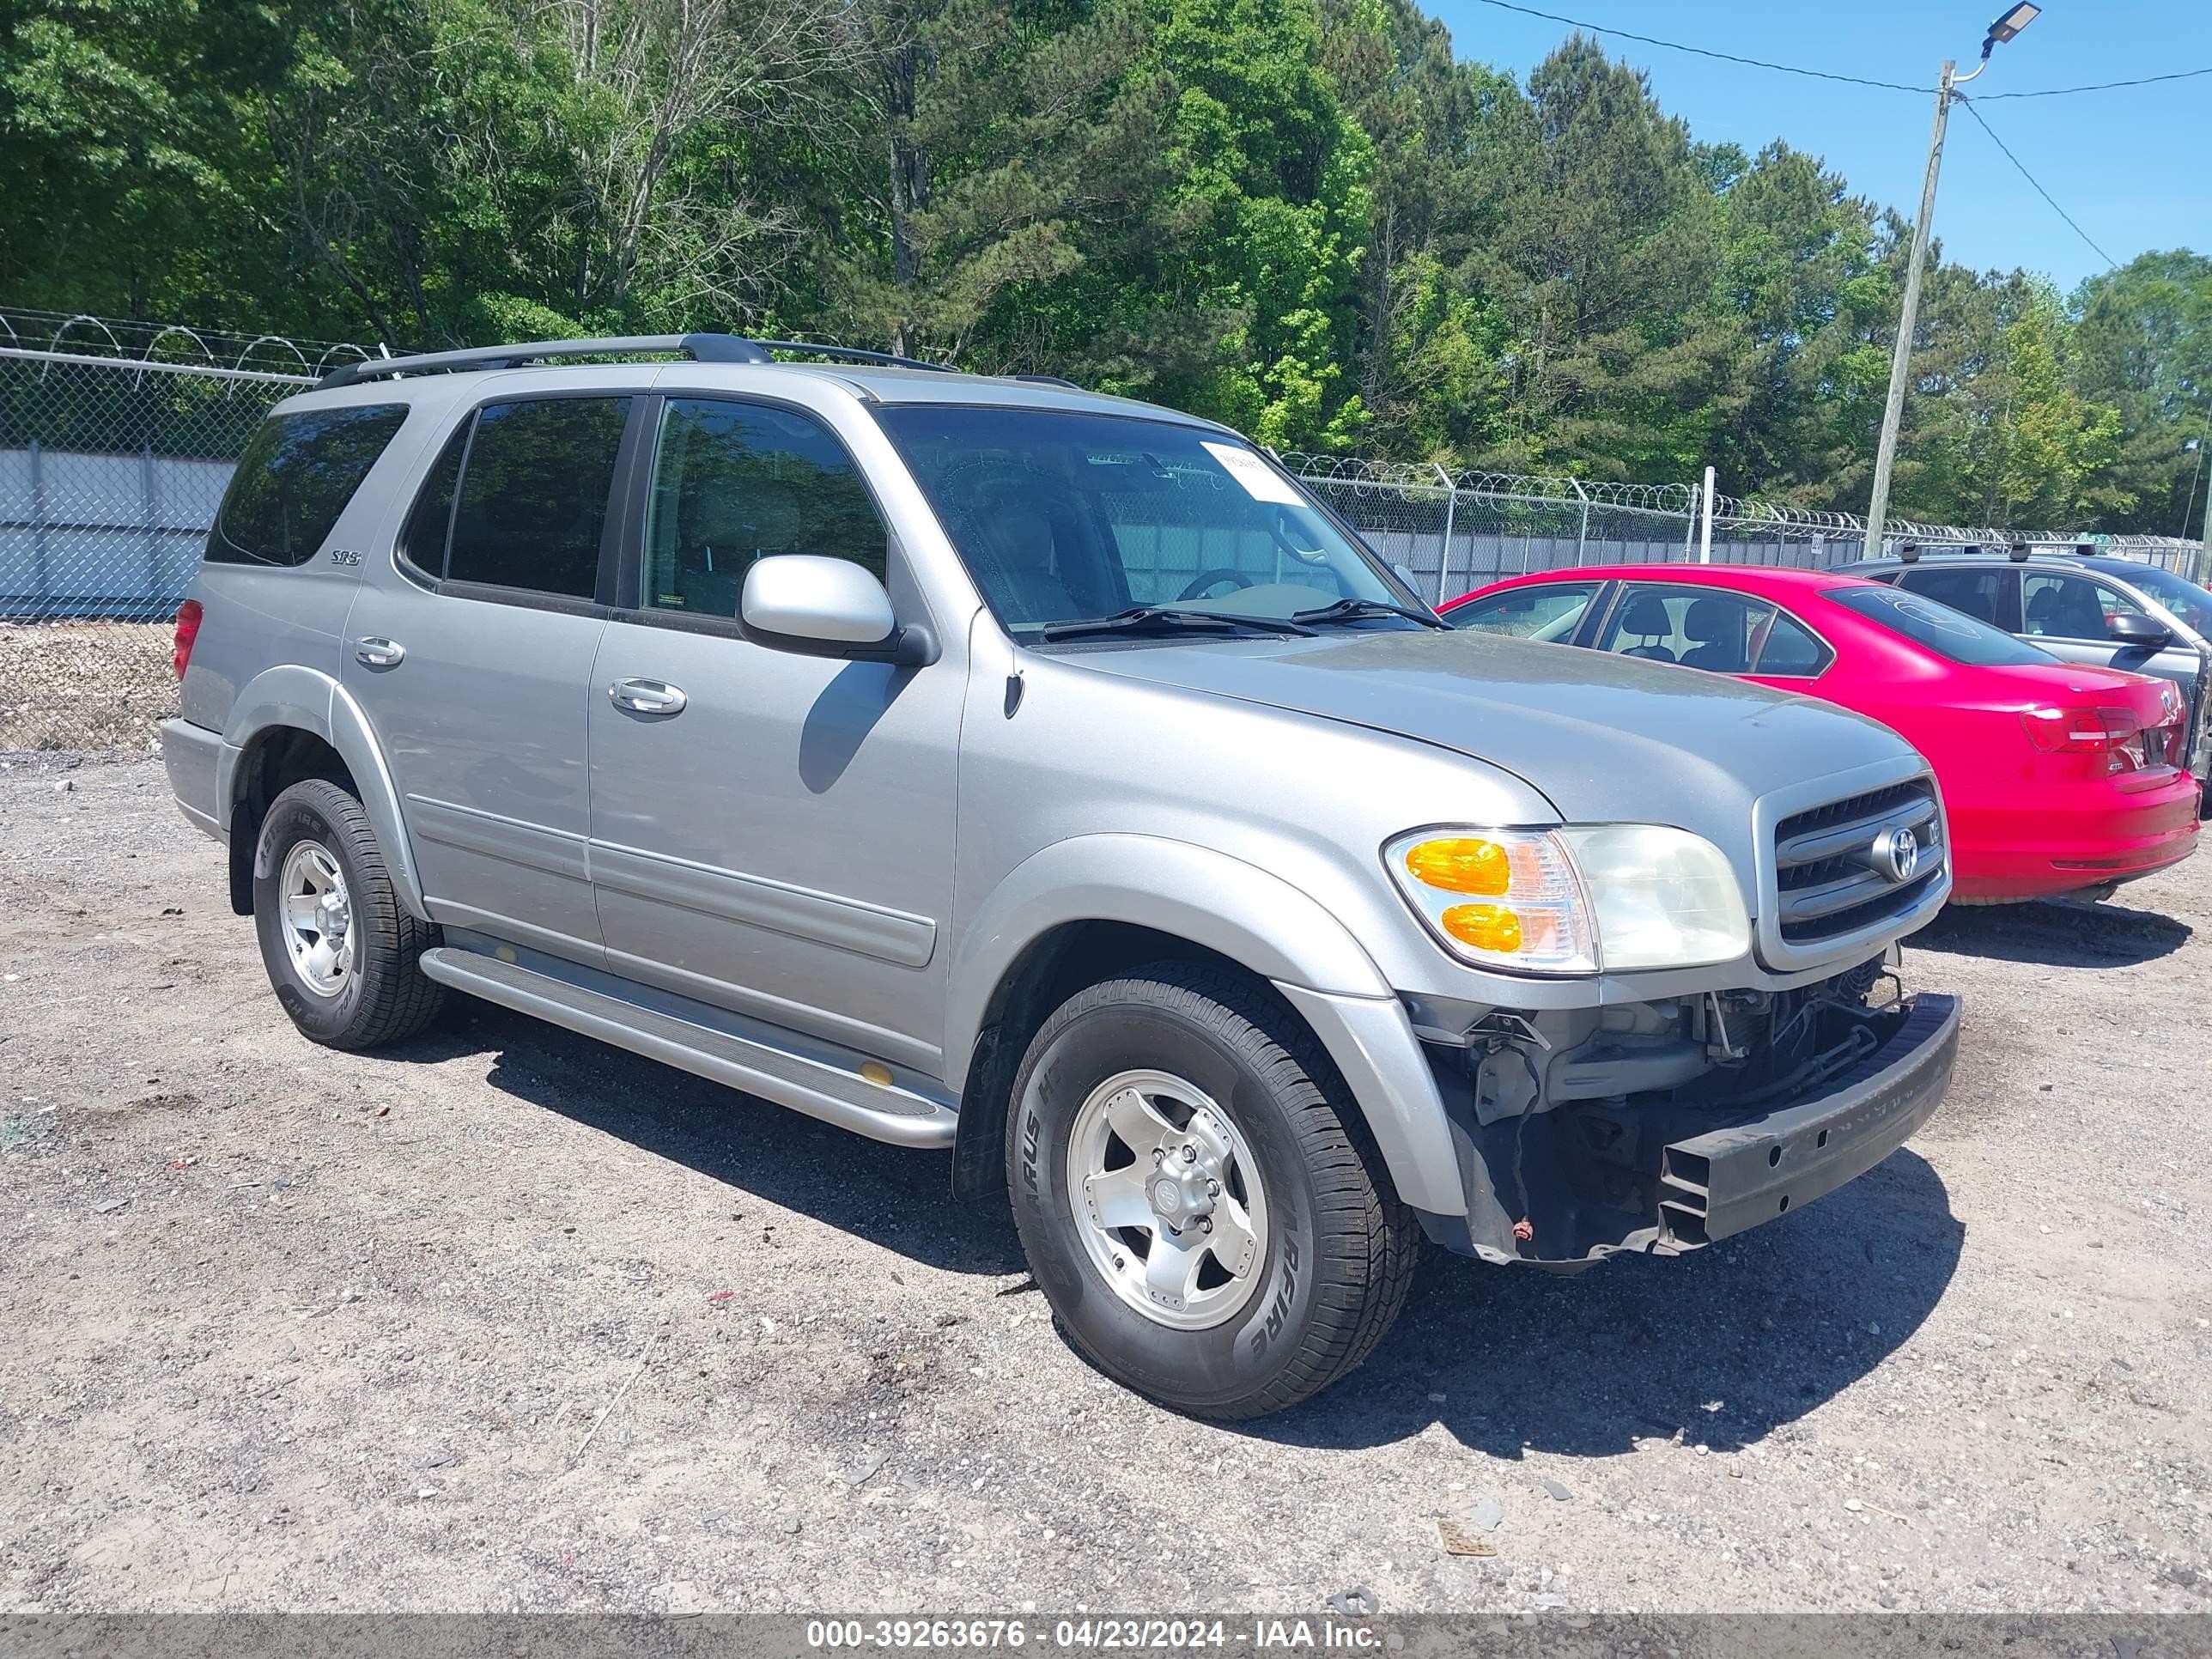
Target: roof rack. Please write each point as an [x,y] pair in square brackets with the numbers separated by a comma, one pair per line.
[852,355]
[700,348]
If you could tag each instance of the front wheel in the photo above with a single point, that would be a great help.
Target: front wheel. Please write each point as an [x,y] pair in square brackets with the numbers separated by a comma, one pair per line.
[1210,1227]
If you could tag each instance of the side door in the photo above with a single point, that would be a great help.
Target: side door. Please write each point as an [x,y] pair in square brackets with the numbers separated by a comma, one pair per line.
[771,832]
[473,655]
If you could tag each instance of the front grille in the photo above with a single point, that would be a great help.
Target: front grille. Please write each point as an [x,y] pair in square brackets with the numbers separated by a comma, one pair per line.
[1831,876]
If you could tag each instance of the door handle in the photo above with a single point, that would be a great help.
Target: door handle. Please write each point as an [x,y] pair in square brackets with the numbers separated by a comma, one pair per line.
[647,697]
[379,653]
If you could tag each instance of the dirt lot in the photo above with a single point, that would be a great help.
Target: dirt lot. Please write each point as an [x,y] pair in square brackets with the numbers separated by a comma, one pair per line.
[446,1328]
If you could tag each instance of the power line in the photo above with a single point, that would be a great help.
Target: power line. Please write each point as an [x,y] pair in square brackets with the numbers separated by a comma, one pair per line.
[2102,86]
[1705,52]
[2030,177]
[1827,74]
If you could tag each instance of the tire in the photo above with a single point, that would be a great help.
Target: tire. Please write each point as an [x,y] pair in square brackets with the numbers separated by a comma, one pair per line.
[1331,1249]
[369,990]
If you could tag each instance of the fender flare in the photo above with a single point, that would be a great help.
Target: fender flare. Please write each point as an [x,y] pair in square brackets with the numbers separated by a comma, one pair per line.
[1255,918]
[308,699]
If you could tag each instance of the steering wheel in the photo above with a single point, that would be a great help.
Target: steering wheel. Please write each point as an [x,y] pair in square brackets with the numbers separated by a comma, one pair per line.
[1206,579]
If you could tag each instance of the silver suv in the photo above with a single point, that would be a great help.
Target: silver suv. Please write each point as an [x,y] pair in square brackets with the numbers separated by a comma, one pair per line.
[985,765]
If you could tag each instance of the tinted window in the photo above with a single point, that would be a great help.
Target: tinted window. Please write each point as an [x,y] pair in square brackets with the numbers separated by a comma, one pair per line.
[733,483]
[1789,651]
[2067,607]
[294,480]
[2177,593]
[1980,592]
[1550,612]
[1063,517]
[422,538]
[1937,627]
[534,494]
[1697,625]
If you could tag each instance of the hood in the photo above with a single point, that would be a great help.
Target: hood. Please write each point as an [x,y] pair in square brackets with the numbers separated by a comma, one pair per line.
[1604,739]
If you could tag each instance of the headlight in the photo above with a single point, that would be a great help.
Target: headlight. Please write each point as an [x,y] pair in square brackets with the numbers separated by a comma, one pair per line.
[1665,898]
[1620,896]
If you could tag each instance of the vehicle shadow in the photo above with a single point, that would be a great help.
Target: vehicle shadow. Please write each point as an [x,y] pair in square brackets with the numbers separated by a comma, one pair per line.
[1720,1346]
[892,1196]
[1764,1326]
[2054,933]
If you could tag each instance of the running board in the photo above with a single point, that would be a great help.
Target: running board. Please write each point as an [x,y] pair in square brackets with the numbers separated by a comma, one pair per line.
[897,1111]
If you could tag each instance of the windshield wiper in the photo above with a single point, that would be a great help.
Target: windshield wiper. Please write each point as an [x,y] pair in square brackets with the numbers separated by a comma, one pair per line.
[1352,609]
[1171,618]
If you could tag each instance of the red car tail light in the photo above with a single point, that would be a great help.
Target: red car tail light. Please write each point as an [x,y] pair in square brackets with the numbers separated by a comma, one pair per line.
[2116,733]
[188,630]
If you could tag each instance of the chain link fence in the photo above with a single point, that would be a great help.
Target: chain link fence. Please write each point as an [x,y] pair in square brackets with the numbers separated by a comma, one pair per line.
[1458,532]
[116,443]
[117,440]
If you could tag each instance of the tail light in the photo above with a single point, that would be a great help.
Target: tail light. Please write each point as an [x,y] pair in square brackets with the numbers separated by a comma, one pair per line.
[2116,733]
[188,630]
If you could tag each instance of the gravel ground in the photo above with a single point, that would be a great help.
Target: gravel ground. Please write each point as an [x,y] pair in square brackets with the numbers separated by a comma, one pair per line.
[513,1321]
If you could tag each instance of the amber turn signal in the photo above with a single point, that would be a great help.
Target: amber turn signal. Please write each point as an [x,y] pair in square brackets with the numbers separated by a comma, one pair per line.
[1461,864]
[1484,927]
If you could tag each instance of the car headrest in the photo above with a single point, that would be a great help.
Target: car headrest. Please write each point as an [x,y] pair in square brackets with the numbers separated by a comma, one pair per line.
[1714,621]
[1646,616]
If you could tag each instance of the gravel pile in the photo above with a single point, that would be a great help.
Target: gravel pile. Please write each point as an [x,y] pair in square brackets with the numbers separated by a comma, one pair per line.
[85,686]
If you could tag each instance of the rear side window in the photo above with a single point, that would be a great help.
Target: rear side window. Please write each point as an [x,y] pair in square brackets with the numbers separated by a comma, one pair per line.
[534,495]
[1983,592]
[422,538]
[296,476]
[1789,651]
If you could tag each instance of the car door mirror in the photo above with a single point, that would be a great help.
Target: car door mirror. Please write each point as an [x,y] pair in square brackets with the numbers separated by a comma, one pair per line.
[2137,631]
[822,607]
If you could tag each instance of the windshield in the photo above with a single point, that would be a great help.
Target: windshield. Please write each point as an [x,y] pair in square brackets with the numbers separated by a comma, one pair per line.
[1065,517]
[2178,594]
[1933,624]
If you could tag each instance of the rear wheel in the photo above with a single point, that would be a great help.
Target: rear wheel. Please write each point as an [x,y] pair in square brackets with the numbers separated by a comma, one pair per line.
[340,950]
[1205,1219]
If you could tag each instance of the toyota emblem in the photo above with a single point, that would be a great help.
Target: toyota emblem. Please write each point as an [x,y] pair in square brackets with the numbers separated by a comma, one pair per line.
[1895,855]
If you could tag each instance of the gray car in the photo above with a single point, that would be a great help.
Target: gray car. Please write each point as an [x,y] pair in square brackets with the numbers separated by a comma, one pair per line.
[2115,613]
[984,765]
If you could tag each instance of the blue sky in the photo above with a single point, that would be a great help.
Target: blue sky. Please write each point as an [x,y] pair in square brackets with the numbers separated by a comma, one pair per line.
[2133,168]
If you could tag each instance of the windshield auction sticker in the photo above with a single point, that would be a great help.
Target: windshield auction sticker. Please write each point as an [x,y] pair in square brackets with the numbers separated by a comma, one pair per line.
[1260,481]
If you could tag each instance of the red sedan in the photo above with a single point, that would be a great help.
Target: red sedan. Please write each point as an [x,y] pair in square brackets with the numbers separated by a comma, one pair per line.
[2058,778]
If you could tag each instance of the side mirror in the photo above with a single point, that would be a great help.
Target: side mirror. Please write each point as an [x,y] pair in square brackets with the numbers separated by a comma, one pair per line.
[821,607]
[2133,628]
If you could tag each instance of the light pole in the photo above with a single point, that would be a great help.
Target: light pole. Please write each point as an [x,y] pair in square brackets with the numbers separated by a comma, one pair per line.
[1900,362]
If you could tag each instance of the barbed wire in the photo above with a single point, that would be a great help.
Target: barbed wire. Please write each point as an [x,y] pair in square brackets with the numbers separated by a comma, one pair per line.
[83,334]
[1426,479]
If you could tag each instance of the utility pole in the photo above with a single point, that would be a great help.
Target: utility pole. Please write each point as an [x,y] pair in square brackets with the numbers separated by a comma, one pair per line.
[1900,362]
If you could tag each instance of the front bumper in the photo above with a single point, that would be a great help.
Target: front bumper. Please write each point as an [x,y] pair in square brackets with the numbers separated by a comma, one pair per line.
[1565,1186]
[1719,1183]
